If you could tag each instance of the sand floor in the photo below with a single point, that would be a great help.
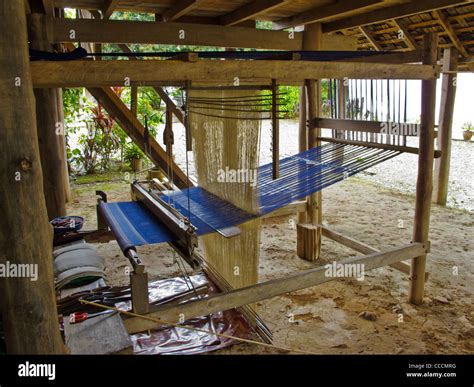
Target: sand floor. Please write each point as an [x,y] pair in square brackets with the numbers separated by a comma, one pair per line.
[326,319]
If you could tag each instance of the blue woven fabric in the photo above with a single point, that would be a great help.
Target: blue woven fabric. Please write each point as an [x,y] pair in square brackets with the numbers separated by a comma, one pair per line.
[300,175]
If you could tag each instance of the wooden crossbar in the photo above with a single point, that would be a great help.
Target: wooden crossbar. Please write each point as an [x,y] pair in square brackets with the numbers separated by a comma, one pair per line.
[404,149]
[262,291]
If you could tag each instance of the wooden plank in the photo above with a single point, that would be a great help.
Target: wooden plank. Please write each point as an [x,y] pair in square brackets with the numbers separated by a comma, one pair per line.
[448,97]
[361,247]
[99,335]
[133,127]
[405,35]
[424,184]
[250,10]
[120,31]
[451,32]
[178,9]
[393,57]
[151,72]
[321,13]
[391,12]
[109,8]
[355,125]
[290,209]
[404,149]
[265,290]
[368,35]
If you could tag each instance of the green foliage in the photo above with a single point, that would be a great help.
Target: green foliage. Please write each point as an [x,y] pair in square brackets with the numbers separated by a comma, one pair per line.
[468,126]
[133,152]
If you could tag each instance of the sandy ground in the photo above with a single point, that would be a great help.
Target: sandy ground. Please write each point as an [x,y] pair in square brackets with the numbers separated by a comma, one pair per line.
[325,319]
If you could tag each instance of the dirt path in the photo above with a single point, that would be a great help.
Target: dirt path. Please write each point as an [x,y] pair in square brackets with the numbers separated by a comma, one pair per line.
[325,319]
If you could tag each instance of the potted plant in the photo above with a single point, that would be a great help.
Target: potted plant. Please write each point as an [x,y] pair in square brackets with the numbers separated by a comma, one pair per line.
[468,131]
[134,156]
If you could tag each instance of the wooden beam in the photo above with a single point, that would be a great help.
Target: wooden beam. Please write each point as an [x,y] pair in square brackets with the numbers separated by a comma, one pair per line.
[27,304]
[132,126]
[179,8]
[451,32]
[424,184]
[448,97]
[83,73]
[321,13]
[391,57]
[353,125]
[120,31]
[265,290]
[290,209]
[361,247]
[405,35]
[109,8]
[160,91]
[250,10]
[368,35]
[400,148]
[47,117]
[391,12]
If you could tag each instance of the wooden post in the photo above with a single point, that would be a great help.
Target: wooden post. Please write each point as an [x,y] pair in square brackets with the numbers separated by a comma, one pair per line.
[47,117]
[303,138]
[424,184]
[448,96]
[312,41]
[62,147]
[28,307]
[134,100]
[275,132]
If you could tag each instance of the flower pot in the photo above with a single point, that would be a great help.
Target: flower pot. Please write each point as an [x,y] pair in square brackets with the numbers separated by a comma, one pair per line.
[156,173]
[467,134]
[136,165]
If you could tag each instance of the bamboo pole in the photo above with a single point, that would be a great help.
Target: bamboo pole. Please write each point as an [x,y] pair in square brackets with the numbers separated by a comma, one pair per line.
[448,97]
[47,116]
[28,307]
[424,185]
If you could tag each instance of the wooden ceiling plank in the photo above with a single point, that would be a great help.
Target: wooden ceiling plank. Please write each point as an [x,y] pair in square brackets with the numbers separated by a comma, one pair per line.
[179,9]
[250,10]
[451,32]
[370,38]
[405,35]
[392,12]
[323,12]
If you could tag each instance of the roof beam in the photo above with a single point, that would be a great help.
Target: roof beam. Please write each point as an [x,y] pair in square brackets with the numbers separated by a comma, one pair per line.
[109,8]
[250,10]
[451,32]
[87,73]
[324,12]
[392,12]
[405,35]
[118,31]
[180,8]
[368,35]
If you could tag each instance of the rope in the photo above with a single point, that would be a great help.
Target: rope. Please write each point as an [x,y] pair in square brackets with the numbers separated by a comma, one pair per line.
[223,335]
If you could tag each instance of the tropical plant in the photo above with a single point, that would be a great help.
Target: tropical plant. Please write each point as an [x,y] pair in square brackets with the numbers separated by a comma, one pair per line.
[133,152]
